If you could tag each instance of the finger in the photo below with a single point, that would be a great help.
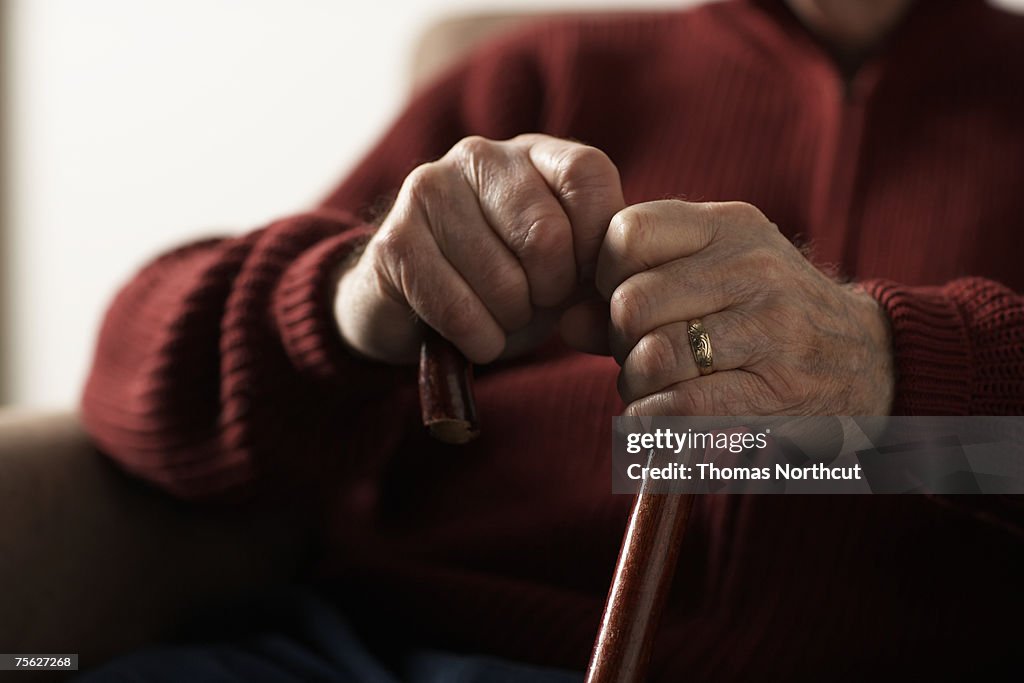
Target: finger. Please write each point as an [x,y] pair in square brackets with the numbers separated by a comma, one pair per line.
[587,185]
[646,235]
[664,357]
[584,327]
[520,208]
[422,277]
[729,393]
[683,289]
[477,253]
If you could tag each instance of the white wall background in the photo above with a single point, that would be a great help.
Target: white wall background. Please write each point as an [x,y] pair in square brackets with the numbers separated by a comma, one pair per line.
[134,126]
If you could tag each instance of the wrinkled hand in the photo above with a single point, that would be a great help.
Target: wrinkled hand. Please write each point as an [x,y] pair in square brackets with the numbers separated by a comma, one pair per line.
[786,338]
[482,245]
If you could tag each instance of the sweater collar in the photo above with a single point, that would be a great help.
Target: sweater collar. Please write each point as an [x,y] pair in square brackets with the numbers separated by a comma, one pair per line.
[912,48]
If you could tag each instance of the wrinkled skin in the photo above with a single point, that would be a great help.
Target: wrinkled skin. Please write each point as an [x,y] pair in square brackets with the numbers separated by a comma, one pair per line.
[496,242]
[485,245]
[787,339]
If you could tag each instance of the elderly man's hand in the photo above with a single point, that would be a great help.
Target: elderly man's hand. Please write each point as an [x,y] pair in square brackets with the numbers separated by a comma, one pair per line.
[483,245]
[786,338]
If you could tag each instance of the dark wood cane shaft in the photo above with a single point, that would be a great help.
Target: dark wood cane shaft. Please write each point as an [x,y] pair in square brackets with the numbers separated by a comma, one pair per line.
[446,391]
[650,548]
[643,576]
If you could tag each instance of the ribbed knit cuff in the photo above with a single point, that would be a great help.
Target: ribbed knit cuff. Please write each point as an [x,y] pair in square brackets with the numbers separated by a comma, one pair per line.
[304,306]
[931,349]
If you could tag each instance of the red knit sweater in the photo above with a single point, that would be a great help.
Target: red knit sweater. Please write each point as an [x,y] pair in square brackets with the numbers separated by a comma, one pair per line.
[219,369]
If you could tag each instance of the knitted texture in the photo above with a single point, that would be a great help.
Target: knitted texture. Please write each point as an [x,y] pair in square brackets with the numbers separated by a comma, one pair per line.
[218,372]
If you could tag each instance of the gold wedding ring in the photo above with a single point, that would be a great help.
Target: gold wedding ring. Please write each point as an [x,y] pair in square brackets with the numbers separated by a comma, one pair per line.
[700,344]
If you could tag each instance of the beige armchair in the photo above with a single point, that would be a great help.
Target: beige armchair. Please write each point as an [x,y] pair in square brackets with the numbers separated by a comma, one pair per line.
[95,563]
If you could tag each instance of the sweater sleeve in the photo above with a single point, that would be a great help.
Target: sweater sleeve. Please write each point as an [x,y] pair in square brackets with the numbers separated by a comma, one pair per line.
[219,367]
[958,348]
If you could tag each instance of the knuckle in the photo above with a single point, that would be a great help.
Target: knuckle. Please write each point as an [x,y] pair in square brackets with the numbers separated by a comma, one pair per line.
[630,308]
[763,260]
[393,254]
[538,236]
[473,147]
[631,229]
[425,183]
[531,139]
[740,220]
[708,223]
[763,255]
[655,356]
[476,159]
[582,169]
[394,246]
[584,159]
[740,212]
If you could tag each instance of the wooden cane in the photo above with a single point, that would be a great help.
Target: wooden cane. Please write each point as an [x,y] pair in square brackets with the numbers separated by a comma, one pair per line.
[446,391]
[650,548]
[640,587]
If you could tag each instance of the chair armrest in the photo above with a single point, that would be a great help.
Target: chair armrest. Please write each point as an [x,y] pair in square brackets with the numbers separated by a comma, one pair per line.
[96,563]
[446,40]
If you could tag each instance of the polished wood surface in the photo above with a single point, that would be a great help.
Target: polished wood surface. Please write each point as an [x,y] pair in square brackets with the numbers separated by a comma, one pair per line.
[640,587]
[446,391]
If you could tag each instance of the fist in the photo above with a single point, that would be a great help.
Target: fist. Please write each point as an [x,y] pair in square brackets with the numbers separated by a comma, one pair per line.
[483,245]
[786,338]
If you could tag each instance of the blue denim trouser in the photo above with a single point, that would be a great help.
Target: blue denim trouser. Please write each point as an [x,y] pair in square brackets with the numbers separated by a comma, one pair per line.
[298,636]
